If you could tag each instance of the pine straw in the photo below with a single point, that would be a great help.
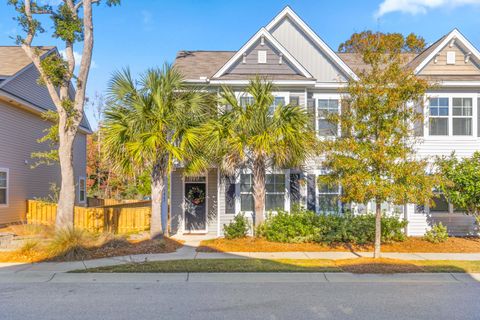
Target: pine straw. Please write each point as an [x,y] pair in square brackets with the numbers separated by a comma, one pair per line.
[412,244]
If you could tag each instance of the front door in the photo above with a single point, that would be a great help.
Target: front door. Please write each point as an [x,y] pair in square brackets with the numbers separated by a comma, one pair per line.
[195,207]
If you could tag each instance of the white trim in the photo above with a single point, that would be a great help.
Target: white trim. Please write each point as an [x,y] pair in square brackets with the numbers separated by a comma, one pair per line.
[276,82]
[184,231]
[458,83]
[6,204]
[84,190]
[255,38]
[288,12]
[219,185]
[452,35]
[327,96]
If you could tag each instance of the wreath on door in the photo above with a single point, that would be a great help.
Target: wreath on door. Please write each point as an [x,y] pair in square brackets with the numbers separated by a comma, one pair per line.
[196,195]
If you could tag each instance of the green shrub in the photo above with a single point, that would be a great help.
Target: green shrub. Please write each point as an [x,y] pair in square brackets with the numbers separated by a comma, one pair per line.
[238,228]
[305,226]
[437,234]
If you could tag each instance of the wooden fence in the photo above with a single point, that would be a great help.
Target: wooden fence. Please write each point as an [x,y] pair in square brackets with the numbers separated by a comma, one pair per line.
[96,202]
[122,218]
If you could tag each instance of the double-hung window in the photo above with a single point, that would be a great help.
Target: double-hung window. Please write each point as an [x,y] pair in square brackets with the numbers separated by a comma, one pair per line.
[82,190]
[275,192]
[246,193]
[278,101]
[246,101]
[326,107]
[3,187]
[438,122]
[462,116]
[328,198]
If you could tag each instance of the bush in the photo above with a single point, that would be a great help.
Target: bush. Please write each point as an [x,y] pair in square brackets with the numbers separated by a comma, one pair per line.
[305,226]
[238,228]
[437,234]
[70,244]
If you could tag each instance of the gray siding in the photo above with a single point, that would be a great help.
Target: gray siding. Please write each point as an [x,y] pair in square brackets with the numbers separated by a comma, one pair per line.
[25,86]
[272,67]
[19,131]
[306,52]
[177,202]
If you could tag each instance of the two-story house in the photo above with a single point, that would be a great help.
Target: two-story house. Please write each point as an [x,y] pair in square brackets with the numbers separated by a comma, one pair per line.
[307,72]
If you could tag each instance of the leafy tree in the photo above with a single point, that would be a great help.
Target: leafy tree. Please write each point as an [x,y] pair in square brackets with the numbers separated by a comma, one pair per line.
[358,42]
[256,136]
[461,185]
[72,23]
[147,128]
[374,159]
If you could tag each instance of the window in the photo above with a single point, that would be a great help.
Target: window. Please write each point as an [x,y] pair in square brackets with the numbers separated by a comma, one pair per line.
[262,56]
[246,101]
[462,116]
[279,101]
[3,187]
[440,204]
[246,192]
[275,192]
[328,198]
[294,101]
[438,122]
[81,190]
[324,108]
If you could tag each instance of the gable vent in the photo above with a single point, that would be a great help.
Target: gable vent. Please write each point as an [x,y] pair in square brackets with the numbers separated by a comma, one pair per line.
[262,56]
[450,57]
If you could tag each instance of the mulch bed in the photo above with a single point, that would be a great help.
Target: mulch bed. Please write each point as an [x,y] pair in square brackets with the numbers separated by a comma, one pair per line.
[412,244]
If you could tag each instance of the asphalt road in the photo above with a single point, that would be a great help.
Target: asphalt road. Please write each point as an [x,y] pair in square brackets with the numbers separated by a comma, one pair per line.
[277,297]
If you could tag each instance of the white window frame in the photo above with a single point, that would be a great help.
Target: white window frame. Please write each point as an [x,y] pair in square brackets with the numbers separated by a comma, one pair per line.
[318,193]
[7,188]
[238,192]
[84,190]
[326,96]
[450,96]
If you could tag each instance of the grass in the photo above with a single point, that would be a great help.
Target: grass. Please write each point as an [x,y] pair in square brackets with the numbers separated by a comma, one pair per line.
[360,265]
[74,244]
[411,244]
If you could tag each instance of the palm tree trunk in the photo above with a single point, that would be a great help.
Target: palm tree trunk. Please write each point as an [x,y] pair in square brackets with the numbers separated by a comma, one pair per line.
[158,187]
[66,199]
[378,228]
[259,189]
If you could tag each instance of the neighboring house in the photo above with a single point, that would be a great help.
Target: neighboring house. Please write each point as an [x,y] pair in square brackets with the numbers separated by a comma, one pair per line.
[306,71]
[22,102]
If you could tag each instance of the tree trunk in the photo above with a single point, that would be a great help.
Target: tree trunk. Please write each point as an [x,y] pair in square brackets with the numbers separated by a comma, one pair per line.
[66,200]
[259,189]
[378,228]
[158,187]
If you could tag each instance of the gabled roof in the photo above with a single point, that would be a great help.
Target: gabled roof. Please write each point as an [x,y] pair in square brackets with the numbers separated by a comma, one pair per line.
[20,85]
[13,59]
[288,12]
[262,33]
[428,54]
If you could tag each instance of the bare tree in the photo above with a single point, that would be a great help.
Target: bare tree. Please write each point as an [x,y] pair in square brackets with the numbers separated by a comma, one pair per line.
[73,23]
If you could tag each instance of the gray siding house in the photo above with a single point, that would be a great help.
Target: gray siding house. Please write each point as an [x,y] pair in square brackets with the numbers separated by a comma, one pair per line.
[22,102]
[306,71]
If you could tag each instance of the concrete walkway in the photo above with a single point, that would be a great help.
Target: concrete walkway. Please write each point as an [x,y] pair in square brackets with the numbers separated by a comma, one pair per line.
[188,251]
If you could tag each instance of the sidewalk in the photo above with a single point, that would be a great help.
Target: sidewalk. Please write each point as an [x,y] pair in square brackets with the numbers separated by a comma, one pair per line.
[188,251]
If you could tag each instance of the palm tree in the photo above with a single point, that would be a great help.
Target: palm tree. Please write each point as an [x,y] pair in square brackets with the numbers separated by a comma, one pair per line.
[258,135]
[147,125]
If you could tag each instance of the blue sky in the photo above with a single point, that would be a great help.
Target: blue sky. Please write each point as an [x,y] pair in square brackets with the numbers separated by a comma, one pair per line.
[146,33]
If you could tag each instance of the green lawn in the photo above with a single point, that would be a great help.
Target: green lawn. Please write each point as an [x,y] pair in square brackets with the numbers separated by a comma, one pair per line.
[361,265]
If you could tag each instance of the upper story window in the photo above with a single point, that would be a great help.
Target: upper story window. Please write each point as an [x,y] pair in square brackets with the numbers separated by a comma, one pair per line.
[462,116]
[324,108]
[82,190]
[3,187]
[438,117]
[451,116]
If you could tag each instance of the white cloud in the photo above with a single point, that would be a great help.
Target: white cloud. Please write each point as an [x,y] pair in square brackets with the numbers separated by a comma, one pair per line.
[419,6]
[78,58]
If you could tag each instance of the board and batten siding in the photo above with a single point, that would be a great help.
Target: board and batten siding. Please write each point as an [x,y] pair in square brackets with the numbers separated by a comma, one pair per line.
[306,52]
[19,131]
[271,67]
[177,199]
